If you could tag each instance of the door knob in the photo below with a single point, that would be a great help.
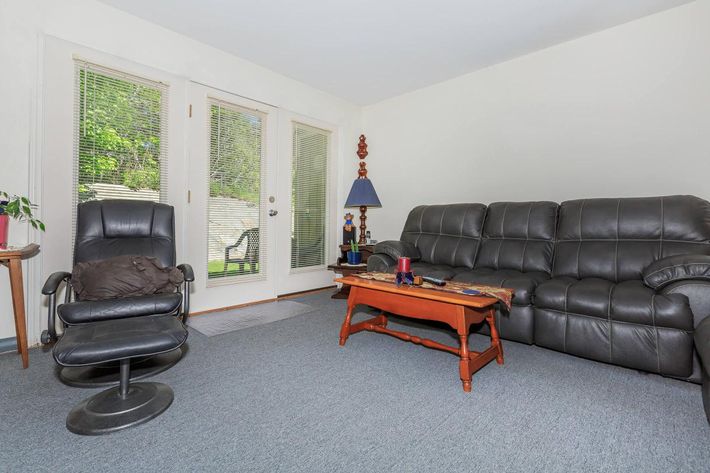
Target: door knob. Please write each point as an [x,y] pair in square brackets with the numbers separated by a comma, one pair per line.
[273,212]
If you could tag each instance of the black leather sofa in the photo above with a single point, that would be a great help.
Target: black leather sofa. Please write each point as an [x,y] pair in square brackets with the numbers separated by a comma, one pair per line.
[623,281]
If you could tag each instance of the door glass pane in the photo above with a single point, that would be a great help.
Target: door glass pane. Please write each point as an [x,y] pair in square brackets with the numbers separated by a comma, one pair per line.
[235,213]
[309,191]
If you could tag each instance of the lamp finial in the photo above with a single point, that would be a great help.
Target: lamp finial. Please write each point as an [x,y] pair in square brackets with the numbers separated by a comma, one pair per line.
[362,154]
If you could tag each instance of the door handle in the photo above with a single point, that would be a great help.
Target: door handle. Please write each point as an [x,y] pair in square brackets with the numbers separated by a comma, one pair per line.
[273,212]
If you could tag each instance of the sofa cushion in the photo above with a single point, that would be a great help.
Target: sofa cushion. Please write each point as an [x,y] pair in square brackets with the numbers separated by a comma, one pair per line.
[616,239]
[518,235]
[396,249]
[523,284]
[627,301]
[446,234]
[440,271]
[82,312]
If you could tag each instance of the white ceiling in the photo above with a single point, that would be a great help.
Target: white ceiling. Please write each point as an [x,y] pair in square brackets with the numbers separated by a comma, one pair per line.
[369,50]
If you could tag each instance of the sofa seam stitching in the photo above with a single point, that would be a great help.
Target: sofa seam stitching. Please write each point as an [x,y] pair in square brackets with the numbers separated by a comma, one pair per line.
[616,321]
[655,330]
[525,246]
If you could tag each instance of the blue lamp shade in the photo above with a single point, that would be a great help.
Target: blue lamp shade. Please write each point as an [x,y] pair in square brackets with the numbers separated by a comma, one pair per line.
[362,193]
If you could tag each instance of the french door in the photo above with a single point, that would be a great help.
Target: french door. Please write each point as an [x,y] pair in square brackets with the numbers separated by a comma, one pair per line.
[232,202]
[259,218]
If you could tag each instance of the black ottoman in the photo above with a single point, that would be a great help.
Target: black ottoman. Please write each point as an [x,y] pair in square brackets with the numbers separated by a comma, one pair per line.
[702,345]
[127,404]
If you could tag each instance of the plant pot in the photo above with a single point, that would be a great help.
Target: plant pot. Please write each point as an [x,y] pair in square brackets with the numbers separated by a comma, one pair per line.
[4,229]
[354,257]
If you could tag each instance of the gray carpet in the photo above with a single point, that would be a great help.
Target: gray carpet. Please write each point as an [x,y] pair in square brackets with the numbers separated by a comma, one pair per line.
[217,323]
[285,397]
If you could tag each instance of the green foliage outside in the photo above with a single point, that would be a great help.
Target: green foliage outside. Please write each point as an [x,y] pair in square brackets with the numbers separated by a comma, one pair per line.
[119,133]
[235,154]
[215,269]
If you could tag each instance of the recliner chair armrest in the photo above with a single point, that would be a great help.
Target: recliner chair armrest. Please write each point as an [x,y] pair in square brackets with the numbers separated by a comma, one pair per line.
[189,276]
[187,272]
[671,269]
[396,249]
[50,288]
[53,281]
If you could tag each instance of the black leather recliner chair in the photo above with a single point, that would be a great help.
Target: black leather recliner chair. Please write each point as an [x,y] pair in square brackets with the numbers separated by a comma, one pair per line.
[112,228]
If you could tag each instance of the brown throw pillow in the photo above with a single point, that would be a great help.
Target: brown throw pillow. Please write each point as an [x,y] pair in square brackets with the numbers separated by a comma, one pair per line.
[123,276]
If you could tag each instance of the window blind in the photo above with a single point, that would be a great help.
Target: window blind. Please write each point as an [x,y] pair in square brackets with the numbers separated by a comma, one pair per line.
[120,142]
[309,191]
[236,204]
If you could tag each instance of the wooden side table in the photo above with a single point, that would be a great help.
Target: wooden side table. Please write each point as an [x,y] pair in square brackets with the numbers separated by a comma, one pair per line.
[12,258]
[341,267]
[345,270]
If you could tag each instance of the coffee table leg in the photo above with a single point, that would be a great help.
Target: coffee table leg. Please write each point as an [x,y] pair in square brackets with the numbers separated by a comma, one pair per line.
[495,339]
[345,329]
[465,361]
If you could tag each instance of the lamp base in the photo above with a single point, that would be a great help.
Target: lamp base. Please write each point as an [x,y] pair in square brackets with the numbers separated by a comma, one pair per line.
[363,226]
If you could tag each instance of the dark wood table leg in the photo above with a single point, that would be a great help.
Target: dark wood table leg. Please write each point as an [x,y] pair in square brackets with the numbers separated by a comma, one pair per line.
[18,305]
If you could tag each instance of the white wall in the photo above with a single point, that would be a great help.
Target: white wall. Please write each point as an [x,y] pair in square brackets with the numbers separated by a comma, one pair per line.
[623,112]
[27,26]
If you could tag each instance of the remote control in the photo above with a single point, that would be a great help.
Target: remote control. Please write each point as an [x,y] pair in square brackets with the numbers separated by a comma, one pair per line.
[434,281]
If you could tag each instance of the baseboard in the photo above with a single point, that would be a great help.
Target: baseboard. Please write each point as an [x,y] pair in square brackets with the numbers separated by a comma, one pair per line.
[8,344]
[281,296]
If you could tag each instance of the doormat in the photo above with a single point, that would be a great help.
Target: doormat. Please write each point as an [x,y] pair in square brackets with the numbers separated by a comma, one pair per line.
[226,321]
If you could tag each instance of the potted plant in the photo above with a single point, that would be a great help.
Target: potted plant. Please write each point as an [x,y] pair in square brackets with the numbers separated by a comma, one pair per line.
[17,207]
[354,255]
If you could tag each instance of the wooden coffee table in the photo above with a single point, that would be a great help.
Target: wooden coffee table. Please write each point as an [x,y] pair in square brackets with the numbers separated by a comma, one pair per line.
[457,310]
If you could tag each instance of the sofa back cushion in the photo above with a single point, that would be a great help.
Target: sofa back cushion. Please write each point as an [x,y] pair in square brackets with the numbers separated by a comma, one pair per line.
[446,234]
[615,239]
[519,236]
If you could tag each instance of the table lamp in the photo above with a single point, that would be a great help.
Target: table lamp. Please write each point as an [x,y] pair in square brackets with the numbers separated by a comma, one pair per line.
[362,193]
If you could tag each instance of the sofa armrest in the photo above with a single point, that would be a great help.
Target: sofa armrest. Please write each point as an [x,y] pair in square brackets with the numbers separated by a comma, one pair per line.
[698,293]
[396,249]
[702,344]
[676,268]
[381,263]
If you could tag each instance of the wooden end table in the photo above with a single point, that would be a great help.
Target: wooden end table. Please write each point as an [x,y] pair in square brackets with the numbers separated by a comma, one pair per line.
[345,270]
[12,258]
[459,311]
[341,267]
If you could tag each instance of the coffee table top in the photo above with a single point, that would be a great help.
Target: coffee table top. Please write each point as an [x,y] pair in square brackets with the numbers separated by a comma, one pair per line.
[420,292]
